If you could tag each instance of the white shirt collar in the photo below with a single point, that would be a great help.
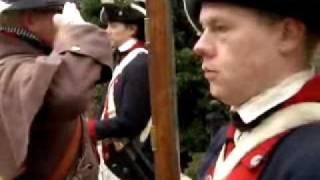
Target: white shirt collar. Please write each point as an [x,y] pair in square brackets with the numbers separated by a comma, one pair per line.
[127,45]
[270,98]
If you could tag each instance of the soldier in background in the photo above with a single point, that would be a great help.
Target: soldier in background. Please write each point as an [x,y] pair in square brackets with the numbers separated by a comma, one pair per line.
[125,121]
[51,60]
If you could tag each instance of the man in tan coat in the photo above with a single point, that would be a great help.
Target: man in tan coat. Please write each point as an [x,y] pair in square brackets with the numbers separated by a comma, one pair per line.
[50,61]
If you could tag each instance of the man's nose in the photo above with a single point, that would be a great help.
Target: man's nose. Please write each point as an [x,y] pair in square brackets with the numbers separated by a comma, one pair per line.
[198,48]
[203,47]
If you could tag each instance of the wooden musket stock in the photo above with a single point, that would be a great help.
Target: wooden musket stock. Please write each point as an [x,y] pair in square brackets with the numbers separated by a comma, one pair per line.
[163,90]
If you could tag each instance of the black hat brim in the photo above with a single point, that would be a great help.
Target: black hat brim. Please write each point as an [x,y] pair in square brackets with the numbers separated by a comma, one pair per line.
[307,12]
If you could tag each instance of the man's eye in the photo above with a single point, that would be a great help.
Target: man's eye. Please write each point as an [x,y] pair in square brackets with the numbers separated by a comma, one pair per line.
[219,28]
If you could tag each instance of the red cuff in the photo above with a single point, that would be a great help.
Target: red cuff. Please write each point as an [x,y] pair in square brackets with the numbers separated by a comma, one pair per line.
[92,130]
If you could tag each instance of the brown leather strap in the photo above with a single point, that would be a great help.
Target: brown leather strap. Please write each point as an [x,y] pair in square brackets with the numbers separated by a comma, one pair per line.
[70,156]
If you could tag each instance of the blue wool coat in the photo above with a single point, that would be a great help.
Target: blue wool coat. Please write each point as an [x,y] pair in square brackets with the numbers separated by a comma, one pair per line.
[295,157]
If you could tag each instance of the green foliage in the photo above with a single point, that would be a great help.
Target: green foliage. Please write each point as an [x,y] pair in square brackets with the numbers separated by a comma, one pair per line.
[184,35]
[101,91]
[192,169]
[123,3]
[195,104]
[193,100]
[90,10]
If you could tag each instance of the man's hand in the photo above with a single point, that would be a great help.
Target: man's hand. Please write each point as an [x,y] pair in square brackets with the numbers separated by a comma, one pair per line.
[70,16]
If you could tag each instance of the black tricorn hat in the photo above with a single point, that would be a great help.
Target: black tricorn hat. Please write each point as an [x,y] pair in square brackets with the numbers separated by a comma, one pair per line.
[8,5]
[126,11]
[306,11]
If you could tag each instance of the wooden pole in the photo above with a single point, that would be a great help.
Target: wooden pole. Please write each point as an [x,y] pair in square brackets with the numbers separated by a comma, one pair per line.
[163,89]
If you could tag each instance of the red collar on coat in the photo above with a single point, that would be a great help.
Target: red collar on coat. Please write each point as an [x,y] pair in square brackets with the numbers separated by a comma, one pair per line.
[138,44]
[310,92]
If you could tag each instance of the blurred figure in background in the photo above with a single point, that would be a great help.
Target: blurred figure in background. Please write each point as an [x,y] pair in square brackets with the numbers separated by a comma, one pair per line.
[51,60]
[126,120]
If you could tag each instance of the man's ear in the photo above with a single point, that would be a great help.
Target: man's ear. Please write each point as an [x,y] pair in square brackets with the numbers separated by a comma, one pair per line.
[31,21]
[292,34]
[27,20]
[133,28]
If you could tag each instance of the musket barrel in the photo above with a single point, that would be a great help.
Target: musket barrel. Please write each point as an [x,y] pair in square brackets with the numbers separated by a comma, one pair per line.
[163,89]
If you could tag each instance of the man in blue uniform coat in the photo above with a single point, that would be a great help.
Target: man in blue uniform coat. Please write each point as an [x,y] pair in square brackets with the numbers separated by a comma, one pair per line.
[257,57]
[125,121]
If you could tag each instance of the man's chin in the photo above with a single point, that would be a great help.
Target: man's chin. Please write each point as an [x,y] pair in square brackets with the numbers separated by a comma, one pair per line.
[214,91]
[217,93]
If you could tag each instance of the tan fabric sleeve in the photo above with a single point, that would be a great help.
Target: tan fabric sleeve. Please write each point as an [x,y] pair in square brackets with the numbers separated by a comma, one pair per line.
[61,82]
[87,40]
[83,49]
[22,89]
